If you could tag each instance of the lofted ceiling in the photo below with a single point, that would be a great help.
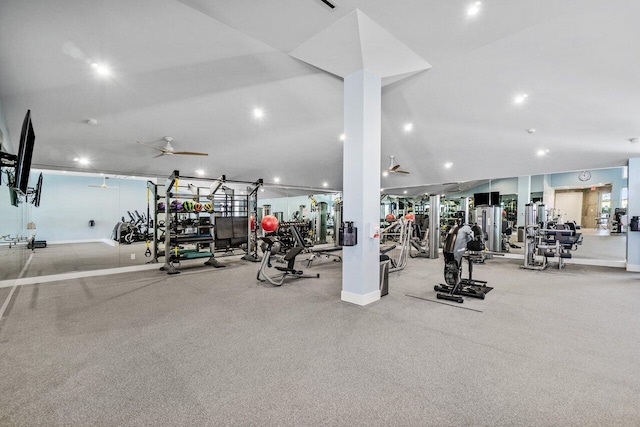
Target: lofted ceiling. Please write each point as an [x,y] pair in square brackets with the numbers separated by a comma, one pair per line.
[196,69]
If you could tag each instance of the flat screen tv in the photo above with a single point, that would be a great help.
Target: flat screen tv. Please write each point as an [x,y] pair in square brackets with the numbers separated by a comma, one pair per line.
[486,199]
[37,192]
[25,152]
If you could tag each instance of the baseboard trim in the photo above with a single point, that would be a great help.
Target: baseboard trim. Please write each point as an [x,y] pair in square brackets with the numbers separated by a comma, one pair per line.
[358,299]
[76,275]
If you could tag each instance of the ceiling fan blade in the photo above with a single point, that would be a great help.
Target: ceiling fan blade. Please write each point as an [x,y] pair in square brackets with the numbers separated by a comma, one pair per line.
[190,153]
[96,186]
[394,168]
[151,146]
[160,155]
[401,171]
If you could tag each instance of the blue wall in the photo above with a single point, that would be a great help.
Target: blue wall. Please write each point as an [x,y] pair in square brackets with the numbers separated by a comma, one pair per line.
[68,203]
[613,176]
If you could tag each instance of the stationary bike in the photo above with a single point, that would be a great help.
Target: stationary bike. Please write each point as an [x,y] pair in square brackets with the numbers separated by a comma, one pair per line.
[273,247]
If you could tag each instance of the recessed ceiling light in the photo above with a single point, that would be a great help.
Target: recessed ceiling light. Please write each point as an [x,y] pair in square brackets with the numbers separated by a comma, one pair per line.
[200,172]
[75,159]
[381,189]
[385,173]
[262,189]
[325,184]
[276,179]
[448,165]
[408,127]
[405,191]
[101,69]
[342,137]
[258,113]
[81,160]
[92,122]
[519,99]
[531,130]
[542,152]
[474,8]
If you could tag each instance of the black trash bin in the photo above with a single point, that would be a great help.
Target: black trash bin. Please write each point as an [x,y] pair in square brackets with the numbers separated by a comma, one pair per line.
[384,274]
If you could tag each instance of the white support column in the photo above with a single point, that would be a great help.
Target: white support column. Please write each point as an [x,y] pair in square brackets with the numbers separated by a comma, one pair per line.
[361,185]
[633,209]
[524,197]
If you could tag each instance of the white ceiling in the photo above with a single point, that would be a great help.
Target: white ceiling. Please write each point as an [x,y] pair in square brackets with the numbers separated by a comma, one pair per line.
[196,69]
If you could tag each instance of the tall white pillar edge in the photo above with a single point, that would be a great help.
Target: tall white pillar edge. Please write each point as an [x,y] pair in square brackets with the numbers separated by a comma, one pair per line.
[361,185]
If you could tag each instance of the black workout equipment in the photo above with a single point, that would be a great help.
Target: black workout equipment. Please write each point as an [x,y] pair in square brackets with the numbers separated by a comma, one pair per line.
[272,248]
[462,242]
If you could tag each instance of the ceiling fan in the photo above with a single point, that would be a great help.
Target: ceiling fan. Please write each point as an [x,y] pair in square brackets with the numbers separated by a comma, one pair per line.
[168,150]
[104,184]
[393,167]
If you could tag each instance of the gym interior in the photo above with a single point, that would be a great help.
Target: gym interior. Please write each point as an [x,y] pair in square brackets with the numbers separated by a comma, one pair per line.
[319,213]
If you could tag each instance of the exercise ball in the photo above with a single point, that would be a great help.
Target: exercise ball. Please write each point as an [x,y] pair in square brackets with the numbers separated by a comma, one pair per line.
[269,223]
[390,217]
[410,216]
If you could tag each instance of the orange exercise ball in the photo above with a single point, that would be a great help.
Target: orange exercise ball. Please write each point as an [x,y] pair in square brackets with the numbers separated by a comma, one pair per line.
[390,217]
[269,223]
[410,216]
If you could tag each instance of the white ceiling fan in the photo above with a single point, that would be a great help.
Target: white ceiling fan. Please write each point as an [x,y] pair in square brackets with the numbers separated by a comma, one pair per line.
[168,150]
[104,184]
[393,167]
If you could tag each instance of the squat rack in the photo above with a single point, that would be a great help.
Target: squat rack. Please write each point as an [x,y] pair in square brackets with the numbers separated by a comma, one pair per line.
[223,205]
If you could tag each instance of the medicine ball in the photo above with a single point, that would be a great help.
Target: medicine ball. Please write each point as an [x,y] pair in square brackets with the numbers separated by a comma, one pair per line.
[187,205]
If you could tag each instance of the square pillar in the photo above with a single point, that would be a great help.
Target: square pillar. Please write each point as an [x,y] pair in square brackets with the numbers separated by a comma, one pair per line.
[524,197]
[633,209]
[361,185]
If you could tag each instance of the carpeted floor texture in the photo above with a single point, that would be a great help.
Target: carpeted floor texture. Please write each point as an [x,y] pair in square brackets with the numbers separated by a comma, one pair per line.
[215,347]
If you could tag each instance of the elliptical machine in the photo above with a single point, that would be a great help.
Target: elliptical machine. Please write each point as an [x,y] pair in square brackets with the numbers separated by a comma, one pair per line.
[461,240]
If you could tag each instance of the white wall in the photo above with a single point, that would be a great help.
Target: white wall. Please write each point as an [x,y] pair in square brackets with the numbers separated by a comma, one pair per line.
[570,206]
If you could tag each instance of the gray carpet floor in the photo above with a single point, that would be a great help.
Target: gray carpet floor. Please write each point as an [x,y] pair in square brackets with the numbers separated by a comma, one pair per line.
[215,347]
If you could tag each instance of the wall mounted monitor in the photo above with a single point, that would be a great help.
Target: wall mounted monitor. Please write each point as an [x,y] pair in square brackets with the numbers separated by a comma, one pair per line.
[25,153]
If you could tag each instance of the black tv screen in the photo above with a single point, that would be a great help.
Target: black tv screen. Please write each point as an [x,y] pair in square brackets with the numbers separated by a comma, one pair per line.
[25,152]
[483,199]
[38,192]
